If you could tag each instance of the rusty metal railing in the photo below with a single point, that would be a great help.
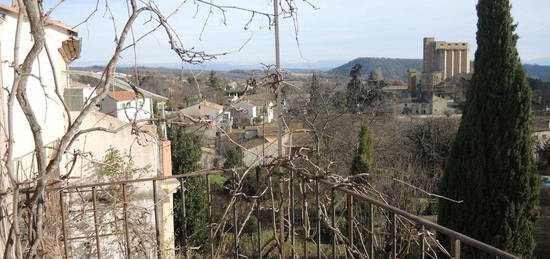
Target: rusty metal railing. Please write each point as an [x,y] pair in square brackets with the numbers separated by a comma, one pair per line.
[456,238]
[325,218]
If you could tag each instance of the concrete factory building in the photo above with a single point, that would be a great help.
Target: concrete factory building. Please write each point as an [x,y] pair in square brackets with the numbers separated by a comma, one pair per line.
[444,60]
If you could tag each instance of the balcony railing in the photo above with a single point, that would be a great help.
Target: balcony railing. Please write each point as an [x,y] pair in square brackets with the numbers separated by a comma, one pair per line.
[298,215]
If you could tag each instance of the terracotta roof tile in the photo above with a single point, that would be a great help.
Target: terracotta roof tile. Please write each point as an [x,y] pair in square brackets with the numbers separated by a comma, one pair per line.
[122,95]
[75,83]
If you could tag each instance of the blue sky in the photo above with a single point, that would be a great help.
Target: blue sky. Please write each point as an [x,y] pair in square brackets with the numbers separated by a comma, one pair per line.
[338,30]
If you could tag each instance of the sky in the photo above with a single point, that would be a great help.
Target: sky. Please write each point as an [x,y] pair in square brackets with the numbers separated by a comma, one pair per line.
[337,30]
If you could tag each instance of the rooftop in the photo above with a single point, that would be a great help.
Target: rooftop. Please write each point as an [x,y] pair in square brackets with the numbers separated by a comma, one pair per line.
[119,82]
[211,105]
[256,99]
[122,95]
[15,10]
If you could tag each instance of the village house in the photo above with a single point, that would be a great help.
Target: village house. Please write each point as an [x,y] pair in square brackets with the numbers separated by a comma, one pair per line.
[81,162]
[541,136]
[261,141]
[253,147]
[122,102]
[256,108]
[127,106]
[430,105]
[206,119]
[401,91]
[206,110]
[65,47]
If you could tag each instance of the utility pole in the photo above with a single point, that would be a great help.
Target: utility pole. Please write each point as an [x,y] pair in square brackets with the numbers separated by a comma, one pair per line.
[279,127]
[278,67]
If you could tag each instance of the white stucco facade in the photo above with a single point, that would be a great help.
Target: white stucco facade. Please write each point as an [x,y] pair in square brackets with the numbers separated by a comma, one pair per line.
[143,151]
[127,110]
[254,111]
[47,110]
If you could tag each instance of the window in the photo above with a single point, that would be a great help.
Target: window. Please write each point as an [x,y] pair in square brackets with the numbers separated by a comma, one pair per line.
[74,98]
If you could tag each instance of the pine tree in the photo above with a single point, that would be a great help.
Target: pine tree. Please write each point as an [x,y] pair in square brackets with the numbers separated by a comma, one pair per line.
[490,167]
[213,80]
[354,89]
[186,154]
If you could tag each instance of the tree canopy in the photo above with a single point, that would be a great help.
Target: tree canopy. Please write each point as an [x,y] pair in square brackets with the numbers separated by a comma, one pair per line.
[490,168]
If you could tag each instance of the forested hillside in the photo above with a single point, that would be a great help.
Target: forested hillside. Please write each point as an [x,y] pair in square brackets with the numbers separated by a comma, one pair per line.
[396,68]
[392,68]
[536,71]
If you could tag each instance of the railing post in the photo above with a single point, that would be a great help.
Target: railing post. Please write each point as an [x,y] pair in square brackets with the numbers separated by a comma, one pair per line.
[209,198]
[318,204]
[333,218]
[393,235]
[281,216]
[304,216]
[184,215]
[235,225]
[372,252]
[31,219]
[423,247]
[455,248]
[157,219]
[259,244]
[96,229]
[63,224]
[349,202]
[291,214]
[125,217]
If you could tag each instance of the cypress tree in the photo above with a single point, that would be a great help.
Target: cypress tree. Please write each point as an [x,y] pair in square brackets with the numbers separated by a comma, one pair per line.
[314,93]
[186,154]
[490,167]
[362,162]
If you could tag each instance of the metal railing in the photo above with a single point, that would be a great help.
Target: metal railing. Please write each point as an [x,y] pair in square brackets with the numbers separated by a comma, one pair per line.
[386,228]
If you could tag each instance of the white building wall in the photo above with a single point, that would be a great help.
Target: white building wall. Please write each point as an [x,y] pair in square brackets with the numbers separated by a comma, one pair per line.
[253,111]
[125,111]
[46,109]
[137,109]
[250,110]
[144,153]
[269,118]
[142,149]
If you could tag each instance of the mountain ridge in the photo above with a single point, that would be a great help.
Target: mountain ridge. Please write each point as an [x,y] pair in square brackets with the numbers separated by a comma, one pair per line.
[396,68]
